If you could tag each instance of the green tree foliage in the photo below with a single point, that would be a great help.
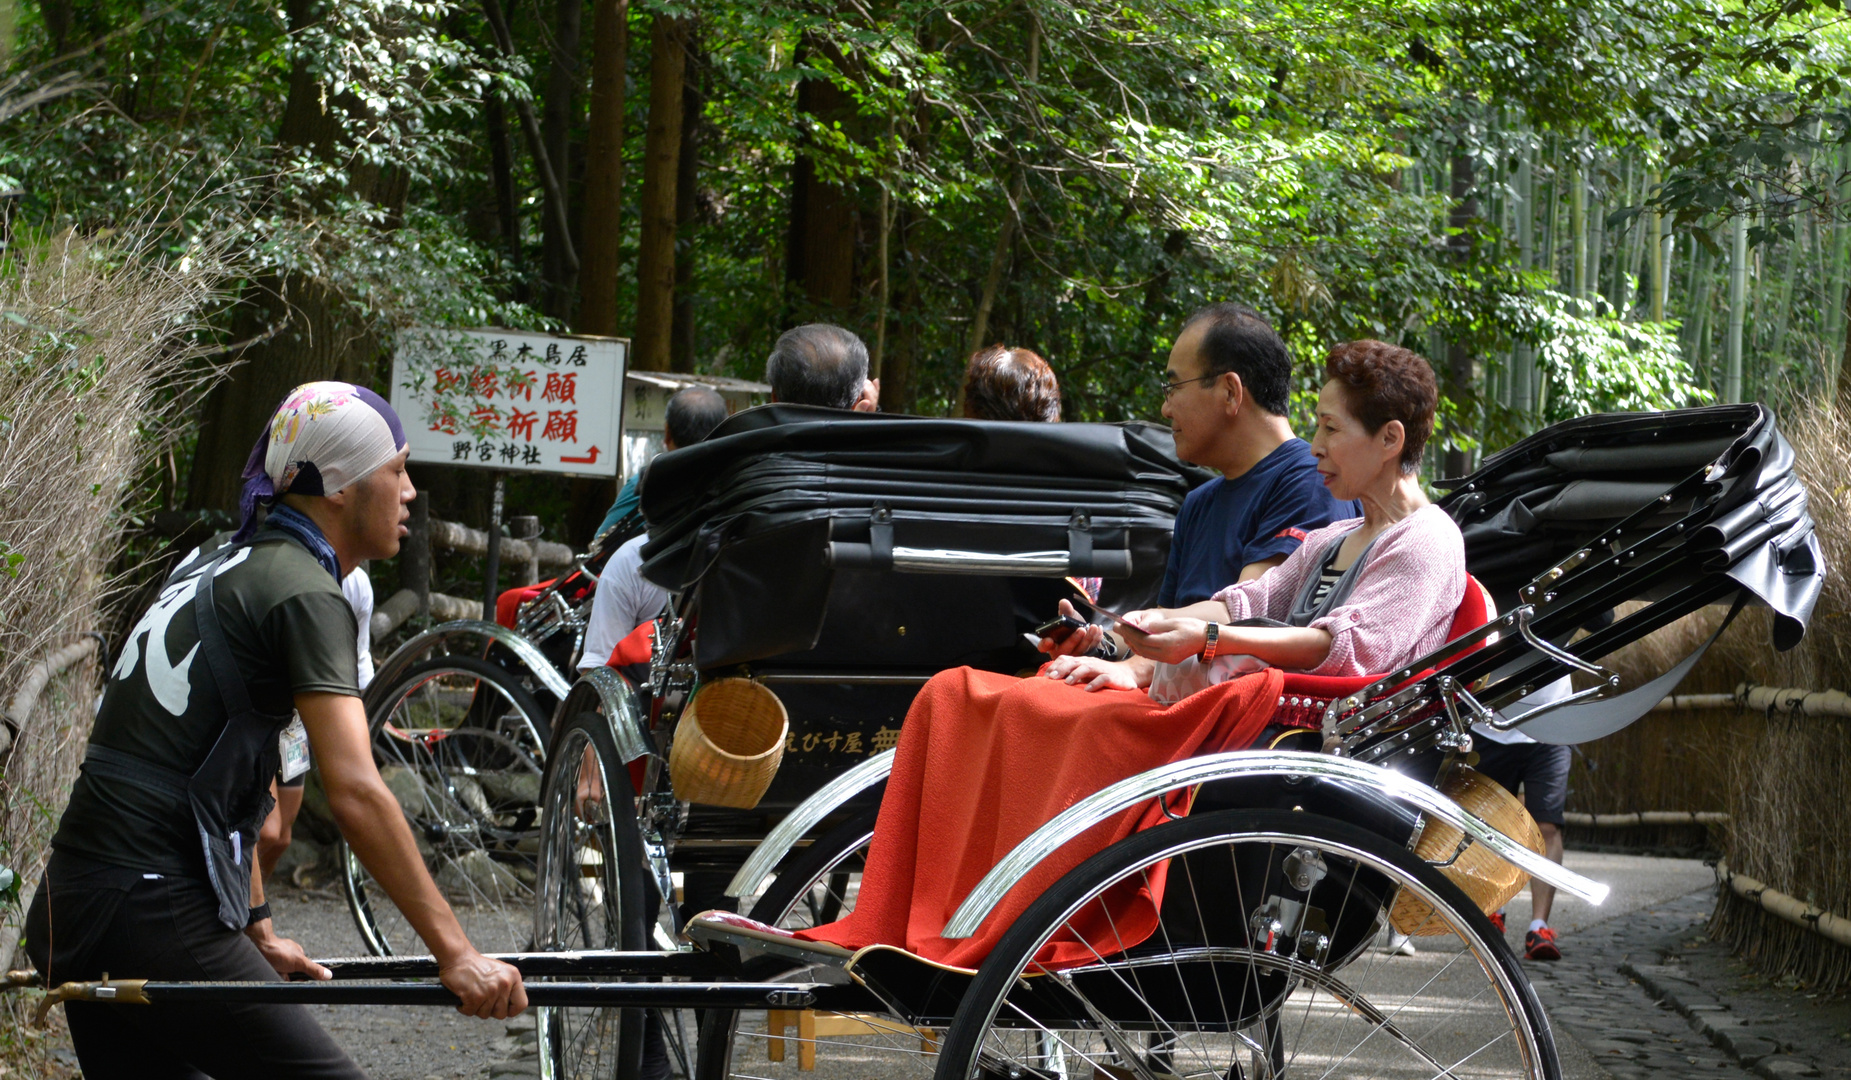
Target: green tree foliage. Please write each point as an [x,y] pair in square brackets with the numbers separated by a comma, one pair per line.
[1074,177]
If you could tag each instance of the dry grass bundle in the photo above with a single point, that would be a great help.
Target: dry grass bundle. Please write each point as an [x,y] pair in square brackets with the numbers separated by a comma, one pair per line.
[1785,781]
[95,351]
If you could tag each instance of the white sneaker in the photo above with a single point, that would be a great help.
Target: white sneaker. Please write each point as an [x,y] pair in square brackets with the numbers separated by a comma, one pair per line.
[1400,945]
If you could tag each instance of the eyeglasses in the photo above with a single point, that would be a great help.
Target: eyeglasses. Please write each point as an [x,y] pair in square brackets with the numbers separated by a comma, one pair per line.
[1169,389]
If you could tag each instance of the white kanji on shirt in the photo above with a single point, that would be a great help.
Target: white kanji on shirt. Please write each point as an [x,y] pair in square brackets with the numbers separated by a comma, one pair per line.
[168,680]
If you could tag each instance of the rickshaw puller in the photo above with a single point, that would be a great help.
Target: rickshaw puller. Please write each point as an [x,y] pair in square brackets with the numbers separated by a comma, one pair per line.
[152,868]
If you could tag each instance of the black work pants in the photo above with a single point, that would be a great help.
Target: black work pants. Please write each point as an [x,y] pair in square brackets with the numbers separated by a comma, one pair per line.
[88,918]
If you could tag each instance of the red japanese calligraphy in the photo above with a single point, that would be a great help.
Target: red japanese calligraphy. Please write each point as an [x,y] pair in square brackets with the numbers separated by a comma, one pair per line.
[561,426]
[520,424]
[561,388]
[520,383]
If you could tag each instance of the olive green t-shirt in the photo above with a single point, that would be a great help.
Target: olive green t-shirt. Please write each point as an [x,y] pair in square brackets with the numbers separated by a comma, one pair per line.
[290,631]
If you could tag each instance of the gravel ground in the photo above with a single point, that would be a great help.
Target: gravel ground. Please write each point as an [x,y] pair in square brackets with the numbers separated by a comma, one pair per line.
[390,1043]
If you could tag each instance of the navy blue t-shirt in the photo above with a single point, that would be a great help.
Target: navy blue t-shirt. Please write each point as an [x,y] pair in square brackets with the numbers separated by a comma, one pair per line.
[1226,525]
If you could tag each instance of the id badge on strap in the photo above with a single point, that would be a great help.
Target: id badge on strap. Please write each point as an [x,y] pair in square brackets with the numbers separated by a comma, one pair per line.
[294,746]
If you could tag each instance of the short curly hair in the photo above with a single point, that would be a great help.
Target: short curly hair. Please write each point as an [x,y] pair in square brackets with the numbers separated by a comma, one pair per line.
[1010,384]
[1386,382]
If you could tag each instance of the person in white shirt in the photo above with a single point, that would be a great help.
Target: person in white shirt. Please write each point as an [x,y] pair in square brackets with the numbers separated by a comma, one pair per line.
[625,599]
[275,837]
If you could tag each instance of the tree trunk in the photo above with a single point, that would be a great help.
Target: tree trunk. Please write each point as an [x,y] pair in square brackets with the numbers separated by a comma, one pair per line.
[1012,217]
[820,250]
[320,337]
[558,112]
[655,258]
[552,181]
[501,165]
[1459,361]
[683,349]
[999,262]
[602,217]
[897,393]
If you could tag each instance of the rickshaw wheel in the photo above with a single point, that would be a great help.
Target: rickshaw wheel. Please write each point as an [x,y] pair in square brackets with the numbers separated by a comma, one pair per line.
[1205,996]
[817,885]
[591,895]
[461,744]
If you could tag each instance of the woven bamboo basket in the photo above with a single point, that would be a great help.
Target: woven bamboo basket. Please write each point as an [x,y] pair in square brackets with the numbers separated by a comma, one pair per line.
[1488,880]
[728,744]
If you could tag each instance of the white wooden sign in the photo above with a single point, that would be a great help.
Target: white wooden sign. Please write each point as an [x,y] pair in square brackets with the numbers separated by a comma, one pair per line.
[505,399]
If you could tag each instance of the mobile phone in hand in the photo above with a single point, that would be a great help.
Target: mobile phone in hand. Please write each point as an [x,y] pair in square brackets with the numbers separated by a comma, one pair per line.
[1081,599]
[1057,630]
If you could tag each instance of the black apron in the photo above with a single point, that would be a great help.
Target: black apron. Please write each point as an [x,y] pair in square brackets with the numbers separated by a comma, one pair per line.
[229,794]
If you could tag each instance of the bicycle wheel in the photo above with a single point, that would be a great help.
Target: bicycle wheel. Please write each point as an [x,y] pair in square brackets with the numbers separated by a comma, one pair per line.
[816,885]
[1260,966]
[461,745]
[591,895]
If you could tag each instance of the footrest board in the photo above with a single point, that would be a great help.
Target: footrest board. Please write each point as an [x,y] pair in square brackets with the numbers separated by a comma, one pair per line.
[728,928]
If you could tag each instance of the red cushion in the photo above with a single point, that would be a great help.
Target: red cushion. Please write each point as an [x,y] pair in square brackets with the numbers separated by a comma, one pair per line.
[1305,696]
[508,604]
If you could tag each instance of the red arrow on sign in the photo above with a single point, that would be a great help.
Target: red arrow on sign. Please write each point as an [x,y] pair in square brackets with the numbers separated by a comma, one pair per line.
[591,460]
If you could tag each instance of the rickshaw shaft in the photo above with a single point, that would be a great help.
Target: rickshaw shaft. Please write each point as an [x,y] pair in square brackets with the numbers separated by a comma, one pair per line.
[589,964]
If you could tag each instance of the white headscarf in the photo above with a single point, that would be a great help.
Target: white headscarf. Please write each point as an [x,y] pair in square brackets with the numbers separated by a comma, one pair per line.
[324,436]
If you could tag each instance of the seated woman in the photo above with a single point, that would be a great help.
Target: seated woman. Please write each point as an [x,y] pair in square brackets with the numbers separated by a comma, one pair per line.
[1358,597]
[984,759]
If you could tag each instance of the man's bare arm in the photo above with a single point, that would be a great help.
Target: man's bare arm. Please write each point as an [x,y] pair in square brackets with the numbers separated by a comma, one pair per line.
[281,953]
[374,826]
[1255,569]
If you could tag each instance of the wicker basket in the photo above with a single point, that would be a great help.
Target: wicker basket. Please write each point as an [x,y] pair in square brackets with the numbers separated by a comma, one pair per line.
[728,744]
[1488,880]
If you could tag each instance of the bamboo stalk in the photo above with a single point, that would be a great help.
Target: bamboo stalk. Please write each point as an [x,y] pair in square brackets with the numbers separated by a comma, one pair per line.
[1646,818]
[1660,256]
[1771,900]
[1523,362]
[1738,298]
[1577,224]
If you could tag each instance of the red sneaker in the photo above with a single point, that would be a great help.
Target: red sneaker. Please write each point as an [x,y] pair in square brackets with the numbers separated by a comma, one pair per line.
[1497,920]
[1540,945]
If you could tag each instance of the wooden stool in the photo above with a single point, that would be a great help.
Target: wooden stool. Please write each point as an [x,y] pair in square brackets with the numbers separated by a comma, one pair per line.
[812,1025]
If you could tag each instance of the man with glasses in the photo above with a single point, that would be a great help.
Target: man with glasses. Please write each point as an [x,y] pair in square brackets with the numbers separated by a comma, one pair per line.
[1226,392]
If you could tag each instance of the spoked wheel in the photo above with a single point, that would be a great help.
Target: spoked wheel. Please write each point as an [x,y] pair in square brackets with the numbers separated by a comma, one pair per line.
[461,744]
[1264,965]
[591,896]
[815,886]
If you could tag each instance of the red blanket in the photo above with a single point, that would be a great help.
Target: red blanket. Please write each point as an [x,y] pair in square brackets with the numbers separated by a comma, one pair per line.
[984,760]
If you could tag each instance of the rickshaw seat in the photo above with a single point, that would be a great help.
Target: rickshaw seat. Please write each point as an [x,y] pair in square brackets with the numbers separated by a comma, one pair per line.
[1304,698]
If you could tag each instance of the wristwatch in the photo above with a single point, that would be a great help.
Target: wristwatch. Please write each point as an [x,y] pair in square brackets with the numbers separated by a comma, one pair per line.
[1213,639]
[258,914]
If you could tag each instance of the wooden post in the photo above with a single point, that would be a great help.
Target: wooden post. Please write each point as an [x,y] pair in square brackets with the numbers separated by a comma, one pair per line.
[527,527]
[491,569]
[414,563]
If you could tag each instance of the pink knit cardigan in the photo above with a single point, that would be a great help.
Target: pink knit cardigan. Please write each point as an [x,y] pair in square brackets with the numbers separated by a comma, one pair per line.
[1405,597]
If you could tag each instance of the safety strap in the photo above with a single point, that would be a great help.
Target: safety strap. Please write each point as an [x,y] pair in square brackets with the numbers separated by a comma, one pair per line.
[107,764]
[212,643]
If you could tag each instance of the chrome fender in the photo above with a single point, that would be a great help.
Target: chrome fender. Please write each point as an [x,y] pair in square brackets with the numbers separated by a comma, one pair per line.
[784,836]
[1125,794]
[421,645]
[615,696]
